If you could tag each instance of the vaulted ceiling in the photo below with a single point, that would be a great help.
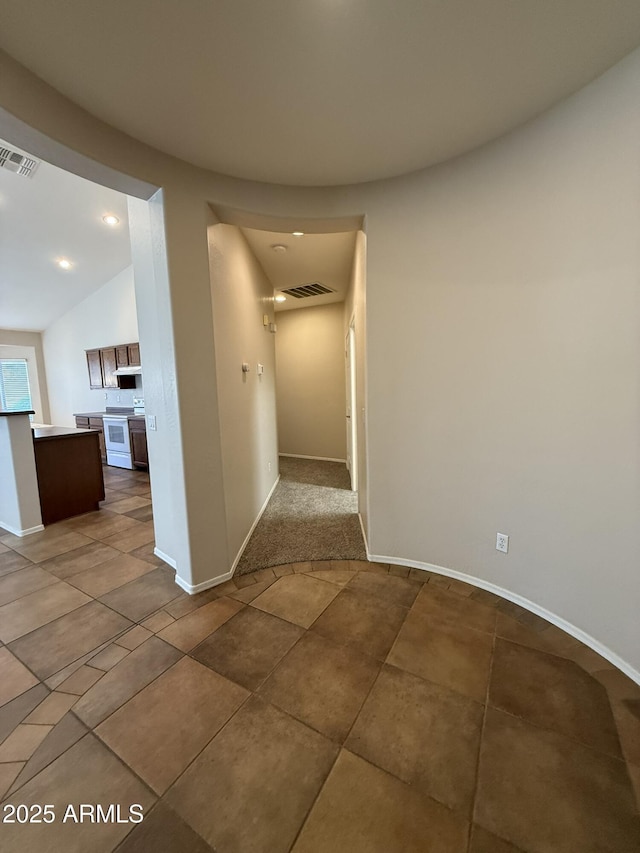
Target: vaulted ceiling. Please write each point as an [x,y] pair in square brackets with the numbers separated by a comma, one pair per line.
[318,92]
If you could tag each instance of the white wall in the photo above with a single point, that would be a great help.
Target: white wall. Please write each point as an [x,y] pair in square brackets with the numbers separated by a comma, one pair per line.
[310,386]
[504,363]
[502,343]
[105,318]
[242,295]
[28,345]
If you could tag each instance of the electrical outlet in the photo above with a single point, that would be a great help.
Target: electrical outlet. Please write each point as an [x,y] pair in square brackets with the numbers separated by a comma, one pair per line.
[269,466]
[502,542]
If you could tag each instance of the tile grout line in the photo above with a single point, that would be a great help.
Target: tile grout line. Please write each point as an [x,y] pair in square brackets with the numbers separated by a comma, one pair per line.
[481,739]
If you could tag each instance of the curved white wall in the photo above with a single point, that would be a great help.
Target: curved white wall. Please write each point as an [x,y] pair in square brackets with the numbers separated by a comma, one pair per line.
[502,343]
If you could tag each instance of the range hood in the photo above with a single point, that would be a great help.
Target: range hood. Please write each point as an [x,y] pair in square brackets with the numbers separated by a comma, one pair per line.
[128,371]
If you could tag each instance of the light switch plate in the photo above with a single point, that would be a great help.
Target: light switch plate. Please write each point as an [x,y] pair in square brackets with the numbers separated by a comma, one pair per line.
[151,422]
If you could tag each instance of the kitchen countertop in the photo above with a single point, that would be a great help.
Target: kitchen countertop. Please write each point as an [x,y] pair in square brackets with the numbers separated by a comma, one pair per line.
[4,414]
[105,414]
[44,432]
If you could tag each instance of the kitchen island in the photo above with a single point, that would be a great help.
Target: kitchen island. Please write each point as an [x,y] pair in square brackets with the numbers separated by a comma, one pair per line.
[69,471]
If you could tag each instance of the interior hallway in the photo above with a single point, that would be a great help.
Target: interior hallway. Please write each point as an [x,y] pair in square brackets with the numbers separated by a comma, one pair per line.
[312,515]
[313,707]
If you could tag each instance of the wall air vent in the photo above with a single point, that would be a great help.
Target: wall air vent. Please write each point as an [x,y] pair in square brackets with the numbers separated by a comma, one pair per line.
[314,288]
[18,163]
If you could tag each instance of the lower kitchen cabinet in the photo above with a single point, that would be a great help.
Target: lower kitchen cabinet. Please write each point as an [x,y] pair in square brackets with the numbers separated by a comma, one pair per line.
[97,425]
[138,435]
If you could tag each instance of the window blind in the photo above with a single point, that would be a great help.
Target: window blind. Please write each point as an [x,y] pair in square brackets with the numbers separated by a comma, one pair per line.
[15,394]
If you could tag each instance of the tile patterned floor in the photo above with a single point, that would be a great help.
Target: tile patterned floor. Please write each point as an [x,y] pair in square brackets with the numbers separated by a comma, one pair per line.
[312,707]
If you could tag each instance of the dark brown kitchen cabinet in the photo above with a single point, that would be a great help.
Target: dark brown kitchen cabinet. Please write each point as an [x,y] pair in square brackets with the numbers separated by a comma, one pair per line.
[95,368]
[97,425]
[109,366]
[102,364]
[122,356]
[134,354]
[138,436]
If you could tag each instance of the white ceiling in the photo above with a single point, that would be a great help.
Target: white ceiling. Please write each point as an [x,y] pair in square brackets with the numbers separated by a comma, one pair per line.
[318,92]
[51,215]
[325,258]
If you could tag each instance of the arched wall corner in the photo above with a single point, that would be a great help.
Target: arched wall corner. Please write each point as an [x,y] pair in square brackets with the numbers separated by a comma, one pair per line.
[503,349]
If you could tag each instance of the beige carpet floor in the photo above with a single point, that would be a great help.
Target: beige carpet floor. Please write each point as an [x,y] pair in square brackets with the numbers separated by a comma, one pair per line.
[312,515]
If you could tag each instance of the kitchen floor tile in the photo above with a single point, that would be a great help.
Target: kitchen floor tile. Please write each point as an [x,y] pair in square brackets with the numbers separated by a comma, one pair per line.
[129,541]
[8,772]
[52,546]
[252,772]
[451,655]
[388,587]
[153,735]
[109,657]
[79,559]
[144,513]
[22,582]
[64,734]
[110,575]
[322,684]
[86,773]
[133,638]
[15,711]
[186,632]
[143,596]
[158,621]
[340,577]
[553,693]
[454,608]
[52,709]
[424,734]
[38,608]
[81,680]
[510,629]
[103,524]
[297,598]
[248,646]
[22,742]
[11,562]
[16,678]
[54,646]
[542,791]
[367,623]
[164,831]
[126,504]
[483,841]
[146,553]
[248,593]
[138,669]
[362,809]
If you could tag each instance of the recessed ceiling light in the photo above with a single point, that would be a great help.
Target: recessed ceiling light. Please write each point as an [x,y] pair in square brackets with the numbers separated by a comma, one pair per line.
[279,247]
[110,219]
[280,298]
[297,233]
[64,263]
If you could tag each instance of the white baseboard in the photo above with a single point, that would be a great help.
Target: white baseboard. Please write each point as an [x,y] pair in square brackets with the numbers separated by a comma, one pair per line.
[253,527]
[200,587]
[556,620]
[18,532]
[165,557]
[317,458]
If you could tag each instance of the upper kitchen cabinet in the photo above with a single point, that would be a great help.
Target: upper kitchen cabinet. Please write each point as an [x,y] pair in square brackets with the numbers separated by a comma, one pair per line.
[95,368]
[109,366]
[133,351]
[102,364]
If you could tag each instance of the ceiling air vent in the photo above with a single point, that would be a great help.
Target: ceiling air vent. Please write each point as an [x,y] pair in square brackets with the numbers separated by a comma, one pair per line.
[305,290]
[15,162]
